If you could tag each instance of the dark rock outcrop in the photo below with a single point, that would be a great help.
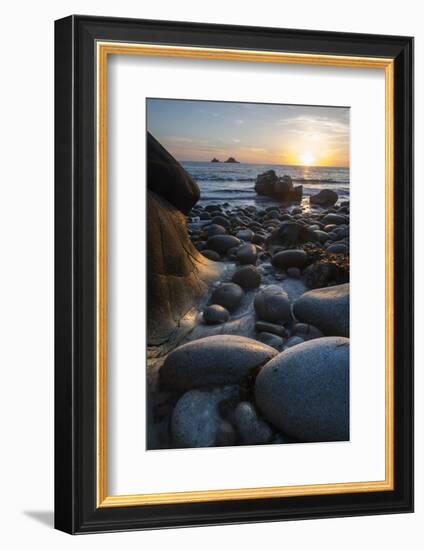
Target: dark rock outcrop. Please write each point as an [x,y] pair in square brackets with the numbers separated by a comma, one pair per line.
[168,179]
[232,159]
[215,160]
[177,274]
[280,188]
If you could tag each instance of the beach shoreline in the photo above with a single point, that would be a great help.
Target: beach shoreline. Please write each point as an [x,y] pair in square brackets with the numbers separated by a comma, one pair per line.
[278,261]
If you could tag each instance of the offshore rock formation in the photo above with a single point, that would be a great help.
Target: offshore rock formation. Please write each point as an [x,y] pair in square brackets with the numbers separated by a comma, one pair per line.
[280,188]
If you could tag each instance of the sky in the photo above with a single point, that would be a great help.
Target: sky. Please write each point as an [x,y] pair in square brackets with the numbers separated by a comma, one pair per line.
[251,132]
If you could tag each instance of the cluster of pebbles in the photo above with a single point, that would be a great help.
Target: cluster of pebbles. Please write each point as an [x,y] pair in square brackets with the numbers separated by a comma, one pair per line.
[268,359]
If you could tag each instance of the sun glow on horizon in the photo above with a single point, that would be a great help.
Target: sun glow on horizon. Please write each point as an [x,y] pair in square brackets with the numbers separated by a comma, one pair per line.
[297,135]
[307,158]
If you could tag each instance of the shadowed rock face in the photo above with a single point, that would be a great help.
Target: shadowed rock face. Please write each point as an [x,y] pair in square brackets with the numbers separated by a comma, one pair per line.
[178,275]
[167,178]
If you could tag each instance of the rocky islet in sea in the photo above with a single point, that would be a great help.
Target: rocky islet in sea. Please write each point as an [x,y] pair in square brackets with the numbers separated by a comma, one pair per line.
[260,334]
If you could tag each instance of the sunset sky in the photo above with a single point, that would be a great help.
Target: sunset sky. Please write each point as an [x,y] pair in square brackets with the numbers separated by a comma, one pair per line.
[255,133]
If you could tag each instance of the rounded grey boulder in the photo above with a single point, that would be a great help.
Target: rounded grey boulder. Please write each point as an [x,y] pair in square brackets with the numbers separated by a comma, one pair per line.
[290,258]
[215,229]
[245,234]
[211,255]
[247,254]
[338,248]
[272,304]
[325,308]
[221,220]
[304,391]
[214,360]
[228,295]
[271,340]
[247,277]
[252,430]
[307,332]
[326,197]
[222,243]
[196,421]
[335,219]
[215,315]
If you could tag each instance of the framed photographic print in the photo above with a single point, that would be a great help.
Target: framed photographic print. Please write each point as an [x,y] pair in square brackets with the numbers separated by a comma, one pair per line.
[234,265]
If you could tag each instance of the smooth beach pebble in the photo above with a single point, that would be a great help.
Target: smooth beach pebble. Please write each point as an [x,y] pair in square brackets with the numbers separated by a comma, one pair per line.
[264,326]
[304,391]
[271,340]
[305,331]
[216,360]
[211,255]
[226,434]
[228,295]
[221,220]
[253,430]
[215,229]
[222,243]
[196,421]
[248,277]
[326,197]
[338,248]
[290,258]
[247,254]
[272,304]
[245,234]
[336,219]
[293,341]
[293,272]
[325,308]
[214,315]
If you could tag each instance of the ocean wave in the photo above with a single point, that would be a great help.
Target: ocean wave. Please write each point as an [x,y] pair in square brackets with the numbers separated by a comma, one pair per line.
[211,177]
[319,181]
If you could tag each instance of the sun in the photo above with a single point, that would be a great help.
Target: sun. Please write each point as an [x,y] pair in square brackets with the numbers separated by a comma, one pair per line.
[307,158]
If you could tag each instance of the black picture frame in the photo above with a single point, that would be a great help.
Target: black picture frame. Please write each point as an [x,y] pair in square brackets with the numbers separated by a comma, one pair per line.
[76,510]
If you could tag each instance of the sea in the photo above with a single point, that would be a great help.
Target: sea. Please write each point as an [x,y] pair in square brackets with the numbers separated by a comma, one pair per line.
[235,183]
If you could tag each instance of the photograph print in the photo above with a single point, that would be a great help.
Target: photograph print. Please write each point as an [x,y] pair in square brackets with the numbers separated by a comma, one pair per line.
[247,274]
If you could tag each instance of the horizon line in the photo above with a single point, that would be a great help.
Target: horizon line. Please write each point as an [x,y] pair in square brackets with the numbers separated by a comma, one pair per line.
[268,163]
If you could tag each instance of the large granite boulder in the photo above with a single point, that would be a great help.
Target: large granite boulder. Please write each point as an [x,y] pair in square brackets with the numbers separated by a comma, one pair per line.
[326,309]
[280,188]
[167,178]
[214,360]
[178,276]
[304,391]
